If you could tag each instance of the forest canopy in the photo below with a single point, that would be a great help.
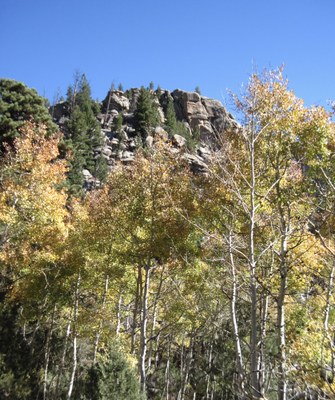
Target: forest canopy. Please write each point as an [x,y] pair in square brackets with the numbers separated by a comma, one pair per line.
[161,282]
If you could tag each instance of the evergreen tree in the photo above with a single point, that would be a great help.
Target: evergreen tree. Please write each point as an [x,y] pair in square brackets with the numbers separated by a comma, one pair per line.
[146,114]
[159,92]
[100,168]
[197,90]
[18,104]
[113,379]
[83,135]
[151,85]
[118,121]
[120,87]
[170,115]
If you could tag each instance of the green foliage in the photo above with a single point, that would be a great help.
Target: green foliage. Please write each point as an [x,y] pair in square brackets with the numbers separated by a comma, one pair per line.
[192,139]
[118,121]
[159,92]
[129,93]
[83,135]
[19,104]
[170,117]
[197,90]
[113,378]
[18,370]
[120,87]
[146,114]
[78,269]
[173,126]
[101,168]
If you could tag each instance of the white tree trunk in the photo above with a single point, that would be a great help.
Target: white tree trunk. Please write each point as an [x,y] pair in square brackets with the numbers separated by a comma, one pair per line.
[74,341]
[144,323]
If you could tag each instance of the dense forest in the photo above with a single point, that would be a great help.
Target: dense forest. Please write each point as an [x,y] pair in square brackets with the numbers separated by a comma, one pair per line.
[142,277]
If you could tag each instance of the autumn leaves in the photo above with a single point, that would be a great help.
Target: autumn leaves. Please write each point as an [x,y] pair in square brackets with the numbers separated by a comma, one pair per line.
[217,285]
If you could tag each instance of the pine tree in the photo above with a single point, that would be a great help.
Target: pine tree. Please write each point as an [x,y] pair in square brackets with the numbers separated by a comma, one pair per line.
[146,114]
[19,104]
[117,122]
[197,90]
[83,135]
[113,379]
[170,115]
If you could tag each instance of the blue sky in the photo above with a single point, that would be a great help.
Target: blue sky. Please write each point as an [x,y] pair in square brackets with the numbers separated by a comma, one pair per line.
[177,44]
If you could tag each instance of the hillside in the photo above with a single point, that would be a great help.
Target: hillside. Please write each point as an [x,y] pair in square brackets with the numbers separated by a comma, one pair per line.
[201,121]
[155,248]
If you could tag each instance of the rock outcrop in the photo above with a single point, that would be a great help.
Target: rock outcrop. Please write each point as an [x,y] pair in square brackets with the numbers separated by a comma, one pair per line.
[205,119]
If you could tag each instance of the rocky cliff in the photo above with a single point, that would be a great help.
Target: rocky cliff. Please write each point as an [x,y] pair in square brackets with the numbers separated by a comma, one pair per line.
[201,117]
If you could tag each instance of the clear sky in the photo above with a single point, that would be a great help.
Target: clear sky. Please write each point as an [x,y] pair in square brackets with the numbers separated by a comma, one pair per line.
[214,44]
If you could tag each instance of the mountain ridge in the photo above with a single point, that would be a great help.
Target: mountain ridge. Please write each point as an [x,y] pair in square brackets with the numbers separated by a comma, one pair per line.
[201,120]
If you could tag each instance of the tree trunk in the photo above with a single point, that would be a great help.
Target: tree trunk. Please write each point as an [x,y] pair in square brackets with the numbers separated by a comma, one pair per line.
[144,322]
[135,311]
[154,319]
[239,357]
[74,342]
[167,371]
[326,335]
[62,363]
[186,370]
[47,354]
[97,336]
[283,270]
[254,364]
[118,315]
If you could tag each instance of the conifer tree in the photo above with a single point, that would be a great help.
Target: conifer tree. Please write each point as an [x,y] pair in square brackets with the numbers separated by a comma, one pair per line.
[113,378]
[170,115]
[84,135]
[19,104]
[146,114]
[197,90]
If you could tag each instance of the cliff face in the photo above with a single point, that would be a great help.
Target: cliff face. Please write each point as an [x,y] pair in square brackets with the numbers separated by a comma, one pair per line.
[206,118]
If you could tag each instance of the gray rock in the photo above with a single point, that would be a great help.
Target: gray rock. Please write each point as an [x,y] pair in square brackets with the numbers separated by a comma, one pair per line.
[107,152]
[58,112]
[116,100]
[87,174]
[132,145]
[149,141]
[197,163]
[127,156]
[179,141]
[204,152]
[213,107]
[203,114]
[160,132]
[135,92]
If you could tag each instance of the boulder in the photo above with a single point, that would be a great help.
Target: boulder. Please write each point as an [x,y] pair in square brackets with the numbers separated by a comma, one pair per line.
[160,132]
[149,140]
[134,93]
[87,174]
[196,163]
[178,141]
[116,100]
[107,151]
[204,152]
[208,116]
[59,111]
[213,107]
[127,156]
